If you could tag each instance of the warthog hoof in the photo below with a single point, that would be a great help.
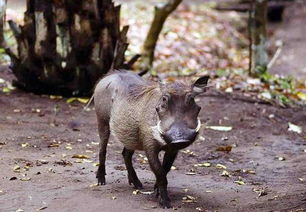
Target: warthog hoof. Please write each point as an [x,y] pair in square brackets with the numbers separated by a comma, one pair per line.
[101,179]
[136,182]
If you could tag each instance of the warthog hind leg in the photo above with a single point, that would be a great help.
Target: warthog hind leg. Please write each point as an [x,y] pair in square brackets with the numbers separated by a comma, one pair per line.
[132,176]
[104,136]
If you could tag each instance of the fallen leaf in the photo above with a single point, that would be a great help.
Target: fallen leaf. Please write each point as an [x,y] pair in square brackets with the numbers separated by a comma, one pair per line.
[70,100]
[83,100]
[190,173]
[19,210]
[53,145]
[260,191]
[25,145]
[79,161]
[63,163]
[239,182]
[225,173]
[96,164]
[266,95]
[135,192]
[201,138]
[41,162]
[93,185]
[248,171]
[6,90]
[51,170]
[229,90]
[273,198]
[114,197]
[173,168]
[147,192]
[68,147]
[220,166]
[25,179]
[220,128]
[302,96]
[281,158]
[224,149]
[188,152]
[42,208]
[189,199]
[55,97]
[16,168]
[202,165]
[294,128]
[301,179]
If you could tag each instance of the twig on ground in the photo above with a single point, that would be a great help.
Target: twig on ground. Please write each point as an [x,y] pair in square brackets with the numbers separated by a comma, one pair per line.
[274,58]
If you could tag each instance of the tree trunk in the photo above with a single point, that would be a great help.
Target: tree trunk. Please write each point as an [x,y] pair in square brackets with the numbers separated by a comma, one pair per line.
[65,46]
[162,11]
[2,15]
[258,37]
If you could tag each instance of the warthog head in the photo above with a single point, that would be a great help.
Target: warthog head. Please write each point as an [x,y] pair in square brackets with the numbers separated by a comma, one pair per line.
[178,122]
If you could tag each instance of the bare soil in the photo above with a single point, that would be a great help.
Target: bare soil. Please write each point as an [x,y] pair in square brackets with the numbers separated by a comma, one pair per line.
[40,135]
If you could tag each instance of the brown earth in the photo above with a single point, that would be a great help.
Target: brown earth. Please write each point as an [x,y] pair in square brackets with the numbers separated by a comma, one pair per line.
[50,179]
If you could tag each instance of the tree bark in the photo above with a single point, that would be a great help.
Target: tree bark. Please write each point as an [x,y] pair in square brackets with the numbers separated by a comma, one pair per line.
[258,37]
[65,46]
[161,13]
[2,15]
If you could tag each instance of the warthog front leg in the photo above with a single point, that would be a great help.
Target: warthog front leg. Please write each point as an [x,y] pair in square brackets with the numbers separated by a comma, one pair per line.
[161,178]
[132,176]
[104,136]
[168,160]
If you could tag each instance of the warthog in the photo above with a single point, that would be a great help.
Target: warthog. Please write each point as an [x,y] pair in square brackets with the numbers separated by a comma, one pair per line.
[149,117]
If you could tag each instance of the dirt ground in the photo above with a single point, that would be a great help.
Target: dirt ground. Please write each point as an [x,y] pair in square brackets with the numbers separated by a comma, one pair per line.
[39,136]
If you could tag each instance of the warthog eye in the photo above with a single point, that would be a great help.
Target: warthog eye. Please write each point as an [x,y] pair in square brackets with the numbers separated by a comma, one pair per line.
[163,104]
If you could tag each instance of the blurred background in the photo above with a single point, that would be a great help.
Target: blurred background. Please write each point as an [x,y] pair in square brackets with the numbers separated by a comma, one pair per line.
[210,34]
[213,37]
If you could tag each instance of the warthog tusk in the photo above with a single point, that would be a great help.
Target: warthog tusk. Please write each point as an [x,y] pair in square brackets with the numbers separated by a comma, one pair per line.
[159,128]
[198,126]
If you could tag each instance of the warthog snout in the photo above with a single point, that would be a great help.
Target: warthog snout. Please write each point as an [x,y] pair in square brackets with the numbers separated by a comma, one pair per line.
[180,133]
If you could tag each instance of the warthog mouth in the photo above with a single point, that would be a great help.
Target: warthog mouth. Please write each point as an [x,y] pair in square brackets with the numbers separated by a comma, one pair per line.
[158,133]
[179,141]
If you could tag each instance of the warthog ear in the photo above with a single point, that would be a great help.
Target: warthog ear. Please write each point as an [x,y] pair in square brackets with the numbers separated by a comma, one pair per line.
[199,86]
